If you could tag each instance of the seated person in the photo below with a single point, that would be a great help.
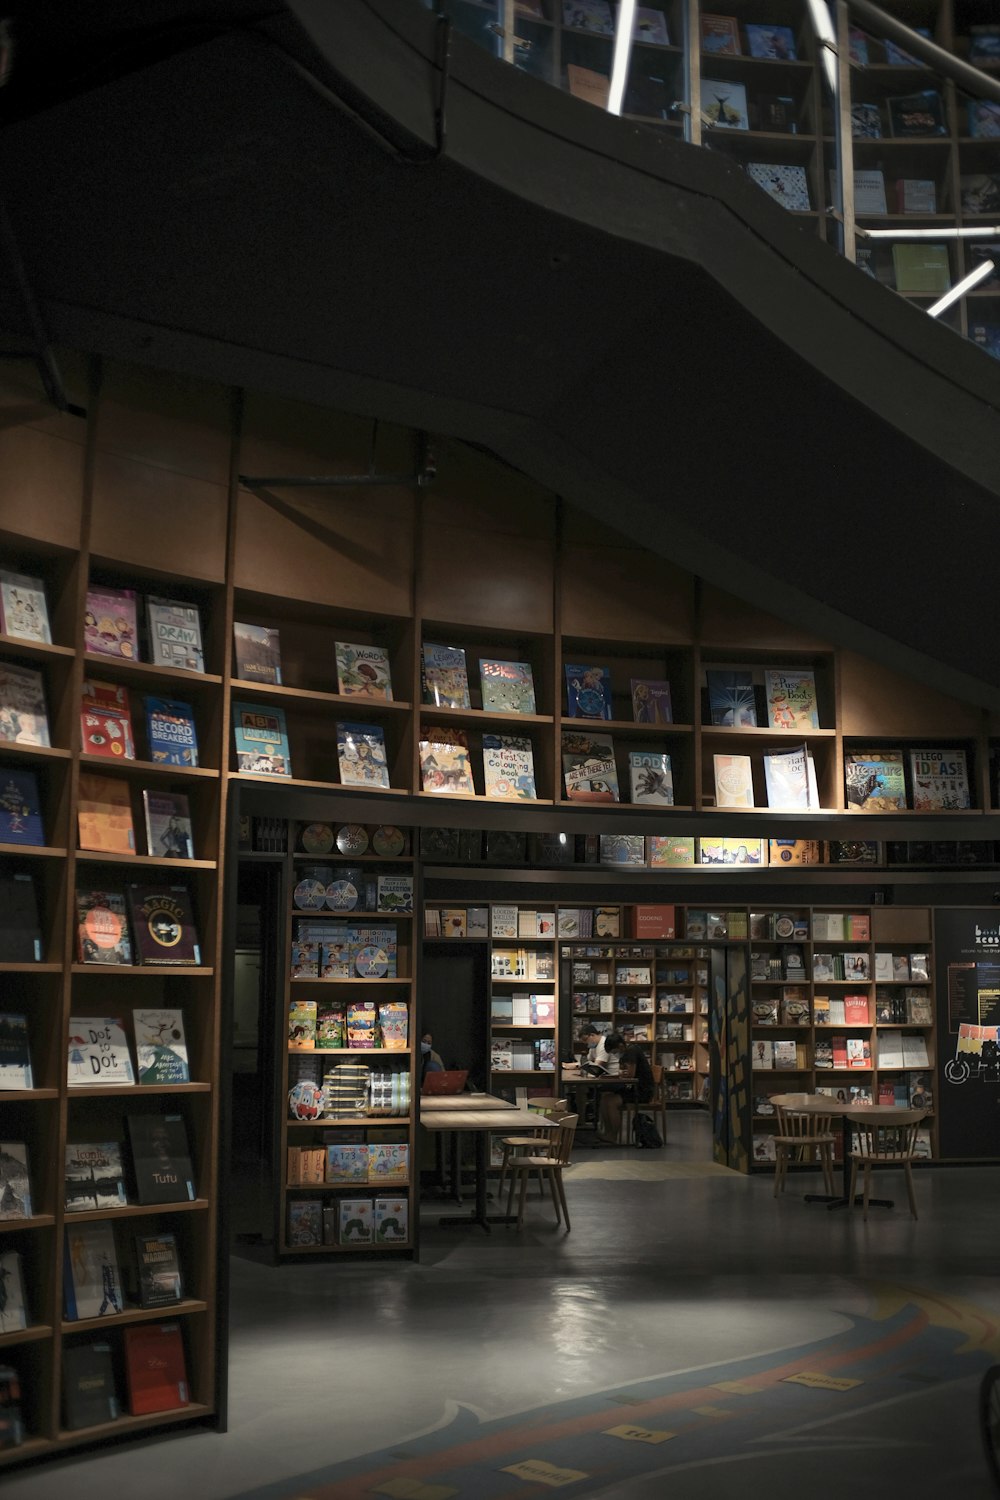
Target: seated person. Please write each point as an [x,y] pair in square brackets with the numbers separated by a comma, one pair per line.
[430,1061]
[633,1067]
[606,1053]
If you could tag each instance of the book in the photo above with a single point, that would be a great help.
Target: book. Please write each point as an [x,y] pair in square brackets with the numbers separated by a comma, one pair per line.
[394,893]
[170,730]
[445,680]
[361,755]
[589,15]
[261,740]
[24,613]
[785,182]
[786,776]
[94,1177]
[623,849]
[97,1052]
[355,1226]
[174,634]
[106,721]
[104,815]
[589,770]
[866,122]
[916,195]
[733,781]
[795,852]
[939,779]
[731,698]
[588,692]
[869,196]
[507,686]
[898,57]
[724,104]
[161,1158]
[508,768]
[168,825]
[160,1046]
[791,699]
[777,43]
[23,717]
[109,623]
[980,193]
[921,269]
[302,1024]
[984,44]
[983,116]
[720,34]
[20,808]
[650,25]
[917,114]
[588,85]
[729,851]
[663,852]
[855,1008]
[391,1221]
[650,778]
[102,928]
[20,934]
[258,653]
[363,671]
[444,764]
[163,925]
[857,44]
[92,1283]
[919,1009]
[15,1181]
[650,701]
[89,1393]
[777,114]
[15,1052]
[155,1368]
[875,780]
[158,1278]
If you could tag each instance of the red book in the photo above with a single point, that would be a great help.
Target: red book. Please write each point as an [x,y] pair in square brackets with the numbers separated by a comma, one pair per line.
[858,927]
[856,1010]
[106,721]
[886,1092]
[840,1052]
[154,1365]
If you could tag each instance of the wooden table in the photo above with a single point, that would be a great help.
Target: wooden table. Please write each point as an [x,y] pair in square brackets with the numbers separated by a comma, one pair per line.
[847,1113]
[572,1078]
[480,1120]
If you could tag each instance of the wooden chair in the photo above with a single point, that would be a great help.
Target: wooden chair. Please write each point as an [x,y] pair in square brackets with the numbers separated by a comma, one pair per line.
[801,1135]
[552,1165]
[537,1141]
[890,1140]
[657,1107]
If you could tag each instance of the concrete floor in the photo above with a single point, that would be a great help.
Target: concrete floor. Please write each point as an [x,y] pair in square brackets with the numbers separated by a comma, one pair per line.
[654,1350]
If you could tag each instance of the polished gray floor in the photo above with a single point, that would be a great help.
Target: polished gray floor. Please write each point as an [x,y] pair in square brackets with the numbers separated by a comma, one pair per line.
[677,1306]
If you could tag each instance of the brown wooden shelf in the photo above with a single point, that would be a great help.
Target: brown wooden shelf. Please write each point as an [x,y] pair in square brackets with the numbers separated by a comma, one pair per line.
[353,859]
[190,971]
[32,752]
[125,1424]
[46,968]
[492,801]
[346,789]
[370,918]
[145,673]
[33,851]
[404,980]
[20,1096]
[135,1315]
[379,1247]
[482,716]
[352,703]
[512,1026]
[131,1090]
[137,1211]
[30,1335]
[37,650]
[37,1221]
[352,1121]
[96,856]
[146,768]
[345,1187]
[351,1051]
[627,727]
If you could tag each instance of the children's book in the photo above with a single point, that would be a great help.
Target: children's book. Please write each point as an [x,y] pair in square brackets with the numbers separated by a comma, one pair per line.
[261,740]
[791,700]
[786,776]
[508,768]
[649,26]
[731,699]
[650,778]
[23,719]
[106,721]
[102,928]
[730,851]
[940,780]
[588,692]
[785,182]
[589,768]
[664,853]
[720,34]
[651,701]
[917,114]
[161,1158]
[444,763]
[777,43]
[160,1046]
[363,672]
[174,634]
[173,740]
[20,809]
[875,780]
[23,610]
[508,686]
[163,925]
[258,653]
[168,825]
[725,104]
[98,1052]
[589,15]
[104,814]
[361,755]
[109,627]
[445,679]
[733,781]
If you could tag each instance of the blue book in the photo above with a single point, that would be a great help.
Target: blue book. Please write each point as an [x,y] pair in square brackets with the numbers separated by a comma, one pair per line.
[171,732]
[261,740]
[588,692]
[731,699]
[20,809]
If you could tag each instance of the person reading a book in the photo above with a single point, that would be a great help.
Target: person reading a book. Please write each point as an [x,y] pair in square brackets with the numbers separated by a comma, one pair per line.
[637,1078]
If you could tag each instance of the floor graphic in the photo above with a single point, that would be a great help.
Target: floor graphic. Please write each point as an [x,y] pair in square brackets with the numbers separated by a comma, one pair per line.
[910,1341]
[649,1171]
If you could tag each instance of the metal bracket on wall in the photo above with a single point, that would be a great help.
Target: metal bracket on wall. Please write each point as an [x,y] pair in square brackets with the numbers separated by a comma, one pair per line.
[40,352]
[422,476]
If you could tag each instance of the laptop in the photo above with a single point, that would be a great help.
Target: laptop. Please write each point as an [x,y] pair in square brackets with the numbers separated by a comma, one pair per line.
[450,1081]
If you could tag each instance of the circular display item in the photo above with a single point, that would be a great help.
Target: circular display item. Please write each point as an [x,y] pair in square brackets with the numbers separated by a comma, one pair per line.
[372,962]
[352,839]
[590,703]
[306,1101]
[784,927]
[341,895]
[309,895]
[317,838]
[388,840]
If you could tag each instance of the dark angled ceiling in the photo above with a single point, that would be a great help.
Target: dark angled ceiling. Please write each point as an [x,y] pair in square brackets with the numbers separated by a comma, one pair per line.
[252,193]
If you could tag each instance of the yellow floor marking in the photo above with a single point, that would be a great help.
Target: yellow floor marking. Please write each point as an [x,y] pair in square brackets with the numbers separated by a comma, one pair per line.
[638,1434]
[822,1382]
[736,1387]
[537,1471]
[711,1411]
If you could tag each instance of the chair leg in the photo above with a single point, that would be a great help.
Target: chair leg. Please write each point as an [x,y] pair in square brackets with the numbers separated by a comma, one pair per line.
[779,1171]
[504,1164]
[510,1192]
[558,1179]
[551,1174]
[867,1190]
[520,1200]
[854,1183]
[909,1188]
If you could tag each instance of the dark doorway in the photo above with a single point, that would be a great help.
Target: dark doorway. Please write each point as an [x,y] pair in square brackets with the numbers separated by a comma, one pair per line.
[454,1005]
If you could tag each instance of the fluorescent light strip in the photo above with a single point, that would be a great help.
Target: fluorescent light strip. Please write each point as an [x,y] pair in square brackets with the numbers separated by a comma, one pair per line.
[819,13]
[985,232]
[622,54]
[960,288]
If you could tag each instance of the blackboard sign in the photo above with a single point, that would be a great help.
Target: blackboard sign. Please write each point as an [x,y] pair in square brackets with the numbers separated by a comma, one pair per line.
[967,953]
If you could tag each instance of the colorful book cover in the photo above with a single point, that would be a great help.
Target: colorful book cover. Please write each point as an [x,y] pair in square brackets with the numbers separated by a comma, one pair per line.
[508,686]
[650,778]
[361,754]
[347,1163]
[445,679]
[20,809]
[98,1052]
[940,780]
[170,729]
[394,1024]
[158,1270]
[331,1021]
[731,699]
[776,43]
[363,671]
[23,719]
[866,122]
[980,193]
[919,114]
[650,26]
[102,928]
[15,1181]
[623,849]
[106,721]
[258,653]
[665,853]
[733,781]
[875,780]
[355,1222]
[589,15]
[395,893]
[444,766]
[720,34]
[728,851]
[168,825]
[302,1025]
[388,1162]
[109,623]
[94,1177]
[791,699]
[725,104]
[589,770]
[261,740]
[373,951]
[160,1046]
[92,1281]
[588,692]
[305,960]
[163,925]
[785,182]
[786,777]
[508,768]
[795,852]
[23,610]
[174,634]
[651,701]
[15,1053]
[391,1221]
[104,815]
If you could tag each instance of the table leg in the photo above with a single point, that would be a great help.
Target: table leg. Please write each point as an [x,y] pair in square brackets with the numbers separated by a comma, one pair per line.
[480,1216]
[844,1201]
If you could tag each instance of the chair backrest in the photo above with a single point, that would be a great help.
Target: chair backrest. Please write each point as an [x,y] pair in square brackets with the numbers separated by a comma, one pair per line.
[562,1139]
[794,1121]
[551,1108]
[891,1135]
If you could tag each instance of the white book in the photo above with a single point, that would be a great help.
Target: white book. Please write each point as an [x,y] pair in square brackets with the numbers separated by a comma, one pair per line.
[98,1052]
[761,1054]
[836,1012]
[869,191]
[503,922]
[23,610]
[733,781]
[786,777]
[883,966]
[890,1049]
[92,1281]
[174,634]
[160,1046]
[914,1051]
